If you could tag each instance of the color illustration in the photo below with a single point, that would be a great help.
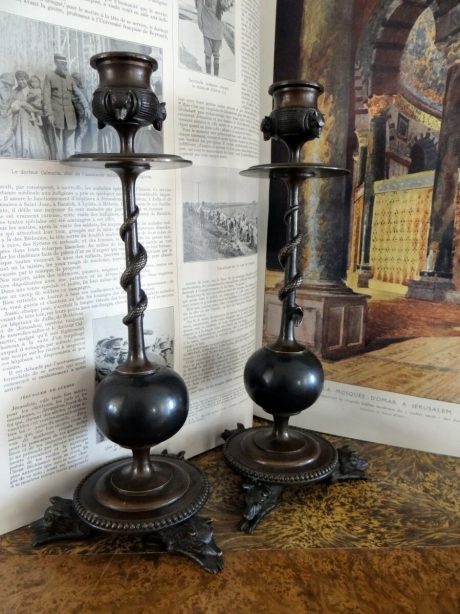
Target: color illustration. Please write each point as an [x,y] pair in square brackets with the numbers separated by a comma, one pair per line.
[381,249]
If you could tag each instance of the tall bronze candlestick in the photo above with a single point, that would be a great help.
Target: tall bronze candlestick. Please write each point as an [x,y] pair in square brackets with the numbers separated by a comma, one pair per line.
[286,378]
[140,404]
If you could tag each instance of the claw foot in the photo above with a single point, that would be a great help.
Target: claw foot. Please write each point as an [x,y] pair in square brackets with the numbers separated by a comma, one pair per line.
[194,538]
[350,466]
[229,432]
[260,500]
[59,522]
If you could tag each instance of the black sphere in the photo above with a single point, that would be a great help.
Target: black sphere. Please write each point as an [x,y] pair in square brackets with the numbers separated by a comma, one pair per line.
[283,382]
[141,411]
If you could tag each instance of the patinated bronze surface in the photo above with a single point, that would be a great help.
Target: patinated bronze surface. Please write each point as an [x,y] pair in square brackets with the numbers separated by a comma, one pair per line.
[285,378]
[295,118]
[140,404]
[123,98]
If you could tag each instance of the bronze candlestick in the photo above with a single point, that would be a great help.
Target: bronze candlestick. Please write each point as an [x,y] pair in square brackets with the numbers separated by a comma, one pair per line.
[286,378]
[140,404]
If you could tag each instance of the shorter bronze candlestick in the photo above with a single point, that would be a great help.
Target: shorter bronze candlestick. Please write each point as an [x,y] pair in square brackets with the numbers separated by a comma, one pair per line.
[286,378]
[140,404]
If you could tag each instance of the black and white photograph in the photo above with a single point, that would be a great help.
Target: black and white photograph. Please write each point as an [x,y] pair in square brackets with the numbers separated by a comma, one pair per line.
[110,340]
[207,37]
[219,215]
[110,343]
[46,85]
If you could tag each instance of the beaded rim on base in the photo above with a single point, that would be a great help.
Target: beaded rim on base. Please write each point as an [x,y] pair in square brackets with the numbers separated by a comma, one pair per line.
[131,524]
[272,474]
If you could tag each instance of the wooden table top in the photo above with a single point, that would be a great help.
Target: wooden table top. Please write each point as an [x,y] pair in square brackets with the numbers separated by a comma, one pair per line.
[389,544]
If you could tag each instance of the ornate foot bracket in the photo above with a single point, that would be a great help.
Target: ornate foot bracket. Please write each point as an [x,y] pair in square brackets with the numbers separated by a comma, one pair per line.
[194,538]
[229,432]
[180,454]
[260,500]
[350,466]
[59,522]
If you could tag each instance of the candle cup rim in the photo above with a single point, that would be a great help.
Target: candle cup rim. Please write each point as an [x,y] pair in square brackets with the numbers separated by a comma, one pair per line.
[97,59]
[295,83]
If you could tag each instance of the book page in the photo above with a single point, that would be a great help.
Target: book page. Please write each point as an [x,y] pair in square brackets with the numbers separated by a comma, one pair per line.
[62,257]
[267,50]
[380,253]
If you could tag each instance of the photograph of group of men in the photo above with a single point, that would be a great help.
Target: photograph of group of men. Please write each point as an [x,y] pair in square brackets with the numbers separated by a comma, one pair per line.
[219,230]
[110,352]
[45,95]
[110,340]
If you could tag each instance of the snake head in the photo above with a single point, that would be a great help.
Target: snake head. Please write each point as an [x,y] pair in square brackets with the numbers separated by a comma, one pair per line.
[296,315]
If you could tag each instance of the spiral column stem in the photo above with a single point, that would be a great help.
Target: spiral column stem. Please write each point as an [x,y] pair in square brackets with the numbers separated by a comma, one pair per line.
[130,281]
[131,274]
[291,312]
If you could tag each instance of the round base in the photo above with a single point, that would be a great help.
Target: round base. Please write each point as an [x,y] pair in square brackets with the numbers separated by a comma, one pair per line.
[179,492]
[303,459]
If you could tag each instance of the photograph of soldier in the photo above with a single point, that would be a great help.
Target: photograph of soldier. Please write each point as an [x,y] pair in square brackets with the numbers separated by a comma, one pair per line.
[107,356]
[45,96]
[207,37]
[63,101]
[210,23]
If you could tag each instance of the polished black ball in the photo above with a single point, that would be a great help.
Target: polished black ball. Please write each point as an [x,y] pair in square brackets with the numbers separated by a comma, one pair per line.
[283,382]
[141,410]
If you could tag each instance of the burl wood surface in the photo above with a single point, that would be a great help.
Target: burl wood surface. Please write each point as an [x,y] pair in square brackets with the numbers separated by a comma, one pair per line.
[391,544]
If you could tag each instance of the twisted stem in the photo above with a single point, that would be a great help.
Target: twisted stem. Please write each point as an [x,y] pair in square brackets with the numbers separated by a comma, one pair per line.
[133,268]
[136,259]
[291,312]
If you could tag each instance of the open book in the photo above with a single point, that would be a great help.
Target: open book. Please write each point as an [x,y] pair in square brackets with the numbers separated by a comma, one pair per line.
[61,302]
[204,228]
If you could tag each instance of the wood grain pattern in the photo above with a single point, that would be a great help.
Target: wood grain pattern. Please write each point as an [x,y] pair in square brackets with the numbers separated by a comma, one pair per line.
[402,581]
[391,544]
